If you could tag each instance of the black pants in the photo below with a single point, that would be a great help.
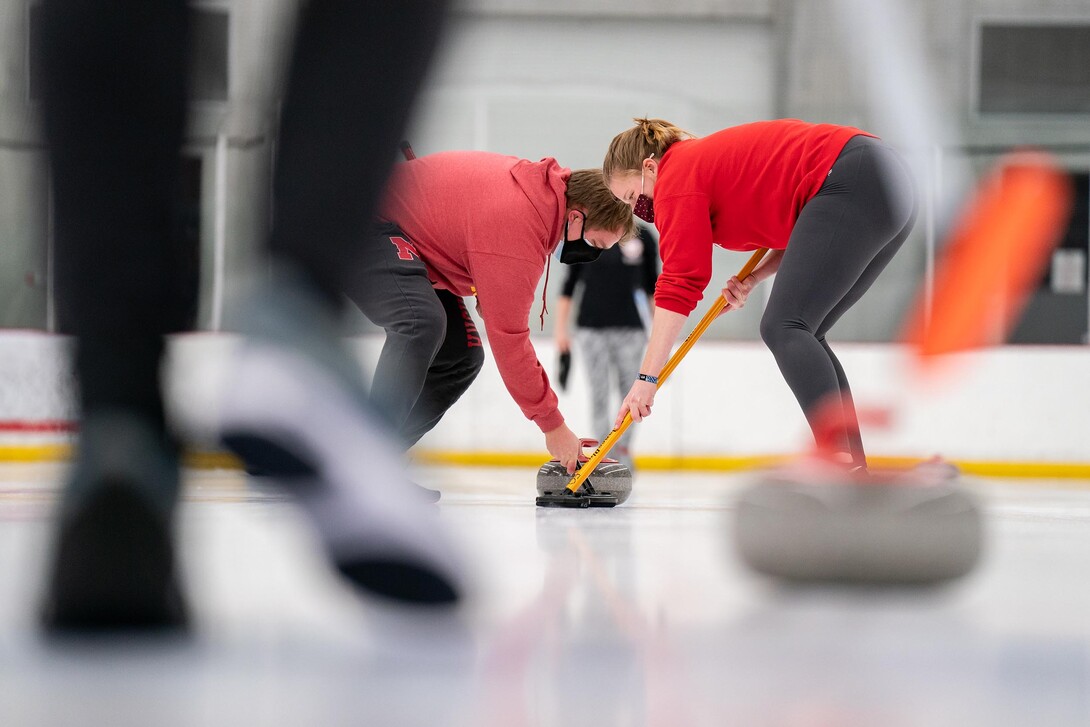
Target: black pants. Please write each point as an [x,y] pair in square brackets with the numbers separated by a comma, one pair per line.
[843,239]
[114,110]
[432,352]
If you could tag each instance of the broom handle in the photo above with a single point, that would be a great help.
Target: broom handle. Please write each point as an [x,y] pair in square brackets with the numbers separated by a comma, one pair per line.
[595,459]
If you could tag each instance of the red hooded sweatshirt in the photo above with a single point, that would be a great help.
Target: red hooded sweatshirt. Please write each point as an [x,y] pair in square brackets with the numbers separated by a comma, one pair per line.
[486,223]
[740,188]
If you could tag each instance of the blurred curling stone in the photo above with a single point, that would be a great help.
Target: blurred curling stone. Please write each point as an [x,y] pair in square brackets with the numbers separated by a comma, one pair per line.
[918,526]
[608,485]
[818,523]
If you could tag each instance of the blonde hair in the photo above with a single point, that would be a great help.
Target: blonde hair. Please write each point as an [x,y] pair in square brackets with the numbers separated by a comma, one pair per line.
[629,148]
[587,189]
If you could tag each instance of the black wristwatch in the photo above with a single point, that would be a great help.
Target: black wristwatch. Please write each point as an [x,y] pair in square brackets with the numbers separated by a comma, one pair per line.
[648,378]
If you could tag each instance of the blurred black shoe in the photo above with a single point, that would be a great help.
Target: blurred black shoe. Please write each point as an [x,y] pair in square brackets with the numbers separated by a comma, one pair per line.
[113,563]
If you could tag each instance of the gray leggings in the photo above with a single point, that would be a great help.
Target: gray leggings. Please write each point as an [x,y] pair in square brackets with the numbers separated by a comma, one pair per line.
[844,237]
[611,357]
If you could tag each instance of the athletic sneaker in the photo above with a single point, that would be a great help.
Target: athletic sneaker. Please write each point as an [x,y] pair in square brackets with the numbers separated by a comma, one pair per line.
[113,562]
[295,409]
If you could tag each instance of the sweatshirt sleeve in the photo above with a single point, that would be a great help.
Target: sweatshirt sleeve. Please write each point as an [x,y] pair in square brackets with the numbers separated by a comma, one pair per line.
[505,291]
[685,243]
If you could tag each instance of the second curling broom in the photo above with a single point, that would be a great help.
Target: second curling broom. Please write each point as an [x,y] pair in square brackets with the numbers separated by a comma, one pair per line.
[579,490]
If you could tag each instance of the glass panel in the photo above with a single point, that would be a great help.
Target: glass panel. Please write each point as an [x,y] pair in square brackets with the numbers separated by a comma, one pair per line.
[1035,69]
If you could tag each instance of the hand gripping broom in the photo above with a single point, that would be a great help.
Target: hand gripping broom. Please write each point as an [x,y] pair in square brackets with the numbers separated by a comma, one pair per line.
[579,491]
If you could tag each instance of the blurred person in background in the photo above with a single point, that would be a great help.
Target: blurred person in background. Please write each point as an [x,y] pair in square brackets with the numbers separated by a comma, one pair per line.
[114,117]
[611,325]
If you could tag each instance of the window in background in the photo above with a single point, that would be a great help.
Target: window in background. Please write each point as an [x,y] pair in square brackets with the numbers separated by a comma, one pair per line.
[1034,69]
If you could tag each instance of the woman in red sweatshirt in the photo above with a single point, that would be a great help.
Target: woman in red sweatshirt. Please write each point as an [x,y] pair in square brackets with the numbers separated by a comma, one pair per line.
[466,223]
[832,204]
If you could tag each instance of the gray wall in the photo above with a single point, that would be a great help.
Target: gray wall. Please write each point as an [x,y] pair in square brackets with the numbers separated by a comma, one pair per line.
[562,84]
[517,78]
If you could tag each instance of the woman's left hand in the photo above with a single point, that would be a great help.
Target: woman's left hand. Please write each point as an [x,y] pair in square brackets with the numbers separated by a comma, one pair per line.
[736,291]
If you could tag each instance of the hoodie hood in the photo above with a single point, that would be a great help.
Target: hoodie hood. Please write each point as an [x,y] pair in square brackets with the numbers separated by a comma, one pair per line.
[545,184]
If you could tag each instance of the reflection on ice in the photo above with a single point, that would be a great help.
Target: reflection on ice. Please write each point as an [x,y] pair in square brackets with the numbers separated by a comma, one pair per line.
[639,615]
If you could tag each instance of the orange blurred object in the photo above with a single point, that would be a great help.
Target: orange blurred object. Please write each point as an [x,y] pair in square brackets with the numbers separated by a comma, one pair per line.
[994,257]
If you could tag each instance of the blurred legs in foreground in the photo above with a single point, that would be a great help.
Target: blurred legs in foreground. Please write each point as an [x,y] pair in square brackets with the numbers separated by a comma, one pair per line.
[114,111]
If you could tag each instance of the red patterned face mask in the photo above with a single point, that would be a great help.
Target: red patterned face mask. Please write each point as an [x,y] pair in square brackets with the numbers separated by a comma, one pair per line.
[645,206]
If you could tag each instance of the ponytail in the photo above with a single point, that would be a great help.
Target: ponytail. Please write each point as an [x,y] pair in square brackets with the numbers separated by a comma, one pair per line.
[629,148]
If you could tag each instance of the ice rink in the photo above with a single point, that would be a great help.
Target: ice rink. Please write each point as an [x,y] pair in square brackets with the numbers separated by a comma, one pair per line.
[639,615]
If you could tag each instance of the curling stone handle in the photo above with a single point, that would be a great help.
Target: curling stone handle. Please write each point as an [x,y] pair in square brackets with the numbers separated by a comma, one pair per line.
[599,454]
[583,444]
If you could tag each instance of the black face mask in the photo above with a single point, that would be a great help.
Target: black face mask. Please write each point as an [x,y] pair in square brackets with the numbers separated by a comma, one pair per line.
[578,251]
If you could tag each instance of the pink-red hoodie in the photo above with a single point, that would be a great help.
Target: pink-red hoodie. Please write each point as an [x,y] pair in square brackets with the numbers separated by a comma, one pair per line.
[486,223]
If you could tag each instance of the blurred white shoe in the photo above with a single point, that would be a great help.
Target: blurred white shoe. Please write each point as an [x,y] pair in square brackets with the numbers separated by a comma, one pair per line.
[295,409]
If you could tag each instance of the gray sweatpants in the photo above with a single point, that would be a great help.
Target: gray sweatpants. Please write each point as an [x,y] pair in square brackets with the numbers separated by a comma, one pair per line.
[843,239]
[612,358]
[432,351]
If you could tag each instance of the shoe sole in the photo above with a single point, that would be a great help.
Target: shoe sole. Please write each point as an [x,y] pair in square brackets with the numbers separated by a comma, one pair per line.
[390,578]
[400,580]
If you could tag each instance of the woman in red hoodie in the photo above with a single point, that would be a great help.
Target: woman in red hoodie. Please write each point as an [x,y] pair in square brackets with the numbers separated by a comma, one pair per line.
[460,224]
[832,204]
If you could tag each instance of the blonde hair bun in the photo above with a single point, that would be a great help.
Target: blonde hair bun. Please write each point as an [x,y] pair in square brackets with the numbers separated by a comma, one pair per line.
[649,136]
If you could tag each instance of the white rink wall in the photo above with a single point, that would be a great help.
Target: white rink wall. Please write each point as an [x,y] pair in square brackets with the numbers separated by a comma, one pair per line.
[1012,404]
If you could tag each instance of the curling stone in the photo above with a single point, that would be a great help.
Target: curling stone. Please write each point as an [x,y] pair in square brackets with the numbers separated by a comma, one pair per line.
[608,485]
[909,528]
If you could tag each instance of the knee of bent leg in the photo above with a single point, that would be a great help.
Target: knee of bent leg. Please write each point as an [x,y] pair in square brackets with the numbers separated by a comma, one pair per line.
[778,332]
[426,327]
[770,330]
[461,370]
[473,362]
[432,327]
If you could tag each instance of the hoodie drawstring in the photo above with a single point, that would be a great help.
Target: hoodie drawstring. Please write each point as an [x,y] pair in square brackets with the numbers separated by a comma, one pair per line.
[545,290]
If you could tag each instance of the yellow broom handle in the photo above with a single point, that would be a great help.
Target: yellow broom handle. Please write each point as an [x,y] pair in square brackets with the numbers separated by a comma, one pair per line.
[583,472]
